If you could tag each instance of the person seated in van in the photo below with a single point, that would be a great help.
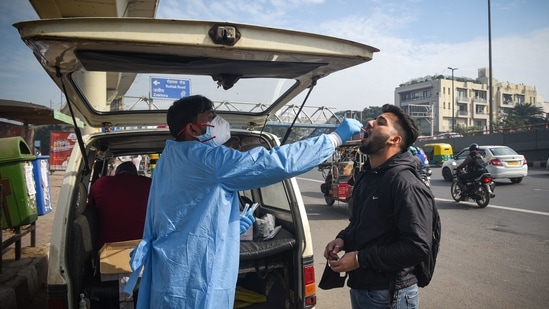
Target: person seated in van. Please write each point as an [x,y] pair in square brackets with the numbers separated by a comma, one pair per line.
[121,202]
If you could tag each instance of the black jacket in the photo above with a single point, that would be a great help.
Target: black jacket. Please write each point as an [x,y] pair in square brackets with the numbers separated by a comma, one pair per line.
[390,239]
[471,166]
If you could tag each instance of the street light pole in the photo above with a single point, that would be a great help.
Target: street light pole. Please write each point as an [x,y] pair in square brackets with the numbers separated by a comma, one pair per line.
[491,98]
[453,100]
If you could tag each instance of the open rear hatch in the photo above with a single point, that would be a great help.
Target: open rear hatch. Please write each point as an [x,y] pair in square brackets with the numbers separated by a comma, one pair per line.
[127,71]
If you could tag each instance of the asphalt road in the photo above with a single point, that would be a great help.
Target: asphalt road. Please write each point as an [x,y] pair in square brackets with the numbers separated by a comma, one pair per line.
[496,257]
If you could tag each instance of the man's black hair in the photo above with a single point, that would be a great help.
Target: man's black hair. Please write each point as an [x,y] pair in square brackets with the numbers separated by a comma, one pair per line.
[126,167]
[406,123]
[186,110]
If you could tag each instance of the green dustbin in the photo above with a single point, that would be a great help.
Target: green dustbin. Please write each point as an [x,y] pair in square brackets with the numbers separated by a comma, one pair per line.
[16,177]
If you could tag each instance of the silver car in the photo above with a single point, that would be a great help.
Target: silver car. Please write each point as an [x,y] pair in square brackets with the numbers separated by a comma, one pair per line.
[503,162]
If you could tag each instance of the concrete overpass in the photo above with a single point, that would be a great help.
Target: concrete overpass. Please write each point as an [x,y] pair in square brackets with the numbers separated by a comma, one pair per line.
[86,8]
[115,84]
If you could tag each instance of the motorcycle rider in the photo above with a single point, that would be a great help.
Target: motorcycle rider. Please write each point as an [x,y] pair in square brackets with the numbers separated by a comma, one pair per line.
[419,156]
[474,165]
[422,166]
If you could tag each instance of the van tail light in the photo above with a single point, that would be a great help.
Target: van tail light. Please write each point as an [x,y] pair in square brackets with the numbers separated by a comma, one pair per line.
[486,179]
[496,162]
[310,285]
[57,296]
[57,303]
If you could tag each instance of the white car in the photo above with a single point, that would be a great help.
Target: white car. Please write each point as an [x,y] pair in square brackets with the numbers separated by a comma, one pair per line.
[121,75]
[449,135]
[503,162]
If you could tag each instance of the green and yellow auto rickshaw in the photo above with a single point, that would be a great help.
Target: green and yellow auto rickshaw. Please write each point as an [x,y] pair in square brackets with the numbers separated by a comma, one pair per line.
[438,153]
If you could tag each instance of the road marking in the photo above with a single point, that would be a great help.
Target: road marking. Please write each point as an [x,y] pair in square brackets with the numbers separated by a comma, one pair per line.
[500,207]
[541,190]
[309,179]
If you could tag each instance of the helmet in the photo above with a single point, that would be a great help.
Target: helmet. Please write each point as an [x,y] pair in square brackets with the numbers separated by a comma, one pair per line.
[413,150]
[474,146]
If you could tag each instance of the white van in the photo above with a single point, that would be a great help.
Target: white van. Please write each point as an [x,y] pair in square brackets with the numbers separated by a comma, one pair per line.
[120,76]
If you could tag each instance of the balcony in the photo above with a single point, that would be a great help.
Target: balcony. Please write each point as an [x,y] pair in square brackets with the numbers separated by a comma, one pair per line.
[508,103]
[416,100]
[462,100]
[480,101]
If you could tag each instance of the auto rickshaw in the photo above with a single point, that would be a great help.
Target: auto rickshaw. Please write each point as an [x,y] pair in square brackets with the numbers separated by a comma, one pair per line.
[438,153]
[339,172]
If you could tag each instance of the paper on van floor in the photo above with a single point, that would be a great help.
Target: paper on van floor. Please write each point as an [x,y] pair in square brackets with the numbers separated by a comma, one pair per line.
[114,258]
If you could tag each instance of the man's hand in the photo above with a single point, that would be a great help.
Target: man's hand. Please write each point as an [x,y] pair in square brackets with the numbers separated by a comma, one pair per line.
[332,248]
[348,262]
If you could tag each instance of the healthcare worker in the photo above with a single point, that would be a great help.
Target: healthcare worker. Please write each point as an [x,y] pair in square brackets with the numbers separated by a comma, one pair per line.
[191,242]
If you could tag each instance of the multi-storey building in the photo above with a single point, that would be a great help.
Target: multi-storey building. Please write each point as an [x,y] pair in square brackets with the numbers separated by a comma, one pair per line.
[437,108]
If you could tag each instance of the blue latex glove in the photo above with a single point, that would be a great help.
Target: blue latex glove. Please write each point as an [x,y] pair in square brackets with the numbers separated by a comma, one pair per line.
[246,220]
[348,128]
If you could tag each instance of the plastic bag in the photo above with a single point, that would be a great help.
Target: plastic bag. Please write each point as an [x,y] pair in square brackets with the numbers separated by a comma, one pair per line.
[265,225]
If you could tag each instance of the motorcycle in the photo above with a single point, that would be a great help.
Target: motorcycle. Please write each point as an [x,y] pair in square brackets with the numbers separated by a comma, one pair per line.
[425,175]
[479,189]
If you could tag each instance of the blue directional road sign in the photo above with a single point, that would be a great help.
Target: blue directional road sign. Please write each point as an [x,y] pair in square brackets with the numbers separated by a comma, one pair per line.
[169,88]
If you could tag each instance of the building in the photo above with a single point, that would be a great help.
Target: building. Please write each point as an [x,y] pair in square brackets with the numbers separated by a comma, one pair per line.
[429,101]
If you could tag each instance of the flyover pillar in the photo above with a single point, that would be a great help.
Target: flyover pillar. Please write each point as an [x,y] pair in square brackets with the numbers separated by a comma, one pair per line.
[94,87]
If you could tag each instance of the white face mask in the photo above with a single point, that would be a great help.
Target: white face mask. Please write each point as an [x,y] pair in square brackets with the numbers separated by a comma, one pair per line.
[218,131]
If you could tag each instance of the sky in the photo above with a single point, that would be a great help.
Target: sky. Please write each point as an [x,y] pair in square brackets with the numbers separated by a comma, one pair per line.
[416,38]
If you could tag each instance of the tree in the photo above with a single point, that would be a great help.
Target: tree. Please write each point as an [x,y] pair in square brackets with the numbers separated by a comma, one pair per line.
[523,114]
[465,130]
[370,113]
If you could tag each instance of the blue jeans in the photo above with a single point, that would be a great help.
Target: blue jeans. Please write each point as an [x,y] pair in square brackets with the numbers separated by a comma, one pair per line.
[379,299]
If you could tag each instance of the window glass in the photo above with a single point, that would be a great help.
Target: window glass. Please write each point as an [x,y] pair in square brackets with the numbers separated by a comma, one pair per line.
[147,91]
[462,155]
[275,196]
[502,151]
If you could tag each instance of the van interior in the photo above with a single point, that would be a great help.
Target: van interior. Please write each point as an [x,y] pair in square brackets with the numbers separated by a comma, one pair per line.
[268,268]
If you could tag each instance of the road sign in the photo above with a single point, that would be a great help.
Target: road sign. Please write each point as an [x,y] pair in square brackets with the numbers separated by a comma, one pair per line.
[169,88]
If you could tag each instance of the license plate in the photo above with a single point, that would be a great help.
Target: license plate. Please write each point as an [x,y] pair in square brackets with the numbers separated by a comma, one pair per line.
[513,163]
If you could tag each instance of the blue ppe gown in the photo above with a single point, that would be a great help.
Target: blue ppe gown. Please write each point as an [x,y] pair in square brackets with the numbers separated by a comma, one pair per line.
[191,241]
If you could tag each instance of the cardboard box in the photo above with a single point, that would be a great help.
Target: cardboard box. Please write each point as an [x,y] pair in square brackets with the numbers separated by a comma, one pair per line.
[114,259]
